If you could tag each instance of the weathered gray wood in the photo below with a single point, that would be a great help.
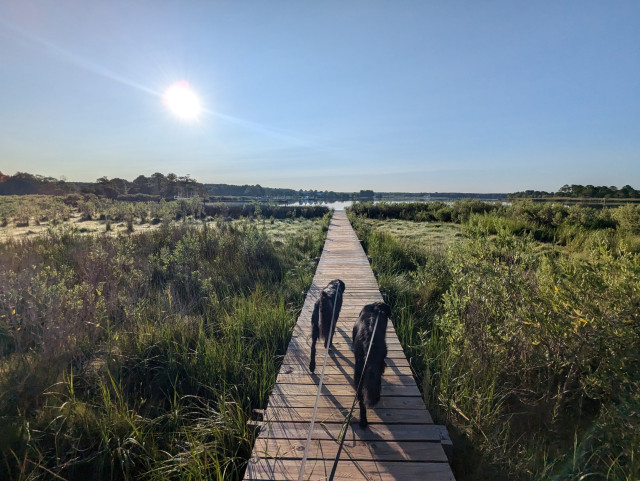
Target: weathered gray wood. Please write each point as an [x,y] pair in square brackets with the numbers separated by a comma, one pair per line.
[287,469]
[335,414]
[341,390]
[374,432]
[353,450]
[386,402]
[342,379]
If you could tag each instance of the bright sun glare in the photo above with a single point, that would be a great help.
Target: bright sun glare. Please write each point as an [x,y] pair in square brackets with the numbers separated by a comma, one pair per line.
[182,101]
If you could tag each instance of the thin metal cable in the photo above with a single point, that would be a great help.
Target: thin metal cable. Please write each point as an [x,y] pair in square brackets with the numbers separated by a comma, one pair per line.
[315,408]
[347,419]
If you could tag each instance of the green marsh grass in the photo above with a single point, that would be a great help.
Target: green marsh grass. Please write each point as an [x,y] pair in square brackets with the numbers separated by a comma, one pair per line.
[143,356]
[523,335]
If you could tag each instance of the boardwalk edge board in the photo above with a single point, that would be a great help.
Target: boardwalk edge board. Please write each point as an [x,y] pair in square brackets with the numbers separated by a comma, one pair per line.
[400,443]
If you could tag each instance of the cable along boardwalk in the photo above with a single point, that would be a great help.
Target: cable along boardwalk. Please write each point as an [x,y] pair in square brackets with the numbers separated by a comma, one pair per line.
[401,441]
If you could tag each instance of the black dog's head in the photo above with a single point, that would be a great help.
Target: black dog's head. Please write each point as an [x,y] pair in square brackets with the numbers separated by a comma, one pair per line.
[382,308]
[334,286]
[374,309]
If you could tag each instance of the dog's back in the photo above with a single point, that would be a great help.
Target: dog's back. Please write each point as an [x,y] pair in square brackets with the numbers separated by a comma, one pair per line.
[363,335]
[325,312]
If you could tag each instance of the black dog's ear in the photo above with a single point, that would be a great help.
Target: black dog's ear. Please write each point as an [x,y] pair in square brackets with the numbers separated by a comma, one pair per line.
[342,285]
[386,308]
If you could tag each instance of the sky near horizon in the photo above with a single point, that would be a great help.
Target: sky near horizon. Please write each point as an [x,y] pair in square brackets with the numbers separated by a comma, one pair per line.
[412,96]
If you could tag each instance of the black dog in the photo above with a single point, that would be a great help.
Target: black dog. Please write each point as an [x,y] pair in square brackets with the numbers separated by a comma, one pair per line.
[323,313]
[369,387]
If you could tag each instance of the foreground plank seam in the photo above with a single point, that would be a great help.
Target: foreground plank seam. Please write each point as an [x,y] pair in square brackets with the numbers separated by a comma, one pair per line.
[401,442]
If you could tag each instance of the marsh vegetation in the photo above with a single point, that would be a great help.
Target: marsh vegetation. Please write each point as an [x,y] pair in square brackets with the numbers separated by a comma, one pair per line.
[31,215]
[524,332]
[142,356]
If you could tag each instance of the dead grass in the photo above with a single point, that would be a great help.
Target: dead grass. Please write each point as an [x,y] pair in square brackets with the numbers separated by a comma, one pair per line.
[432,235]
[278,230]
[11,231]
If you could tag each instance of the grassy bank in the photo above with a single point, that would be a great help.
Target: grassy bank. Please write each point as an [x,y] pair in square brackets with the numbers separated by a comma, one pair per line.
[28,216]
[141,357]
[524,336]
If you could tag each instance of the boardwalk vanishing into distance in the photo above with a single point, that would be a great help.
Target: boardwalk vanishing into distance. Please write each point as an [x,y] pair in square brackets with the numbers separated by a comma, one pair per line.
[401,441]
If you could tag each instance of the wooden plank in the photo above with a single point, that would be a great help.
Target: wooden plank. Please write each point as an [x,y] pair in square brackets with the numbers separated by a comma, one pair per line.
[353,450]
[334,369]
[303,355]
[268,469]
[374,432]
[339,344]
[342,390]
[302,361]
[342,379]
[345,322]
[337,415]
[341,340]
[387,402]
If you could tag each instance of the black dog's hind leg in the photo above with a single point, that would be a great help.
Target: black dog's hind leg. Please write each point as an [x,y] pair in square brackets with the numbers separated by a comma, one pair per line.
[363,413]
[359,384]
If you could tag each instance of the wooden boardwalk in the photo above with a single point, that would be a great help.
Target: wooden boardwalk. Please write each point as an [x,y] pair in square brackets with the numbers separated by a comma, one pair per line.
[401,441]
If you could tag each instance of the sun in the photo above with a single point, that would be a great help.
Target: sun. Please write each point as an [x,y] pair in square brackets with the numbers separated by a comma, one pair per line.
[182,101]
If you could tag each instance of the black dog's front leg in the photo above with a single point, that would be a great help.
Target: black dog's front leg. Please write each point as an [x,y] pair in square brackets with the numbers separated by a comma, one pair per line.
[363,412]
[312,363]
[359,385]
[315,333]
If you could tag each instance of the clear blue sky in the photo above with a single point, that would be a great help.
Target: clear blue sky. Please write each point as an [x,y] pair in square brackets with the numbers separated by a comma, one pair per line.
[340,95]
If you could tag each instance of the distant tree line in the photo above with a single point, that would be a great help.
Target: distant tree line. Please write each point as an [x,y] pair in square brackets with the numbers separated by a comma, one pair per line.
[246,191]
[159,186]
[156,187]
[226,190]
[583,191]
[23,183]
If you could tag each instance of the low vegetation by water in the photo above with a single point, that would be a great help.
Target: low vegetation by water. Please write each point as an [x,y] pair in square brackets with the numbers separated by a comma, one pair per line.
[524,333]
[29,216]
[430,235]
[142,356]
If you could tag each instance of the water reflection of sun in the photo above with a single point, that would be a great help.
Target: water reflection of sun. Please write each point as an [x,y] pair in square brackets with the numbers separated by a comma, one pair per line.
[182,101]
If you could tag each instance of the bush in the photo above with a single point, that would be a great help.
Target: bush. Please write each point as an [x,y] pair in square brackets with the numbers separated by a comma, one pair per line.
[256,210]
[423,211]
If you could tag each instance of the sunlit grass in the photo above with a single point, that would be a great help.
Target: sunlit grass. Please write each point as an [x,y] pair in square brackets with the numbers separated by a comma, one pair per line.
[521,336]
[27,217]
[279,230]
[432,235]
[142,356]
